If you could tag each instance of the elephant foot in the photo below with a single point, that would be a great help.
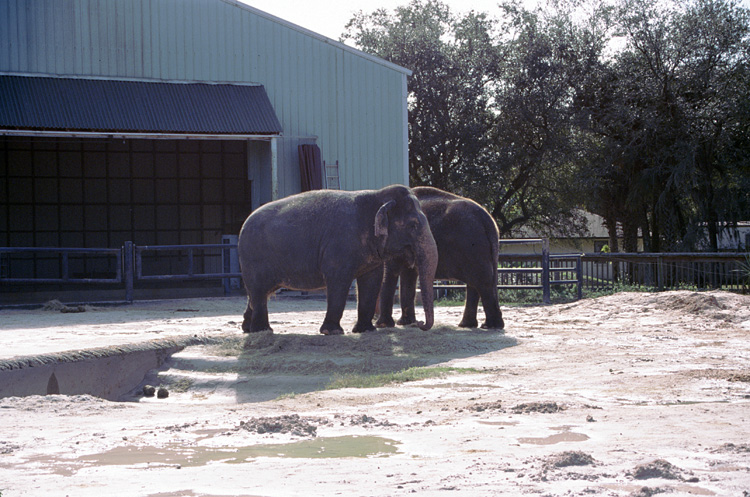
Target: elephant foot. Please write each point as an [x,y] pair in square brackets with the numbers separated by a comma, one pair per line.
[331,331]
[385,323]
[468,323]
[256,330]
[362,328]
[249,327]
[494,326]
[407,321]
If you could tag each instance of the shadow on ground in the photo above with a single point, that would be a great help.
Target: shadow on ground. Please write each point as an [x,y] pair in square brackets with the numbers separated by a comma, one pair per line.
[267,365]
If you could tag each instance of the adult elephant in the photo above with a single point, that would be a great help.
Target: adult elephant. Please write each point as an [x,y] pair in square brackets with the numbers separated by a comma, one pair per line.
[327,239]
[467,240]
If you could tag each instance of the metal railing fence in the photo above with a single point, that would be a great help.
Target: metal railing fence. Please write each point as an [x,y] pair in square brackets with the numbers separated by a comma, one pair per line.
[131,264]
[667,271]
[60,265]
[123,266]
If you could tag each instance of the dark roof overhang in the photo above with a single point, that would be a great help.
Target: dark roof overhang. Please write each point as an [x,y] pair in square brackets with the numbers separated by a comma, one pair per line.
[133,107]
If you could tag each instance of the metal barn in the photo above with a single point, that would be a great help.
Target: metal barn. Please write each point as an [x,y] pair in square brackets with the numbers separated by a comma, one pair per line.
[165,122]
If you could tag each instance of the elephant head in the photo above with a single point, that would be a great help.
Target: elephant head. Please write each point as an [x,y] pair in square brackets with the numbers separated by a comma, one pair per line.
[403,232]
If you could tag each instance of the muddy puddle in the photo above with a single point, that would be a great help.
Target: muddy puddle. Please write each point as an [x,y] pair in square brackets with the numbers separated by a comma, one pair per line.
[498,423]
[180,455]
[564,435]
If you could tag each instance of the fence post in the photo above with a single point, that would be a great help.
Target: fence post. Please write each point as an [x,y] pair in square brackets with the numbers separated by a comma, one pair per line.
[660,273]
[545,272]
[65,270]
[127,262]
[579,275]
[226,266]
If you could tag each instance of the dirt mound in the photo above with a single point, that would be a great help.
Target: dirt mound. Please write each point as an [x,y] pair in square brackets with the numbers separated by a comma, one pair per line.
[648,492]
[543,407]
[735,448]
[292,424]
[487,406]
[691,303]
[735,375]
[657,469]
[680,301]
[56,305]
[570,458]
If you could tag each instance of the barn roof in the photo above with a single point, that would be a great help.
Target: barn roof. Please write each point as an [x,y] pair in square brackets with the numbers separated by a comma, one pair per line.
[134,106]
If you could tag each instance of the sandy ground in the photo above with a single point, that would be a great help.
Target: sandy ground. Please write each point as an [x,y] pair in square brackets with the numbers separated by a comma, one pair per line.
[633,394]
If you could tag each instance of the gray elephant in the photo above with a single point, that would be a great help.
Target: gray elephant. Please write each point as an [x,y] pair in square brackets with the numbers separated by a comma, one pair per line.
[467,240]
[327,239]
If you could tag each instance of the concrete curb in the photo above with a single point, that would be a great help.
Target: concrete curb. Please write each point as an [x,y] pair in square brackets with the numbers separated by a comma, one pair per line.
[105,372]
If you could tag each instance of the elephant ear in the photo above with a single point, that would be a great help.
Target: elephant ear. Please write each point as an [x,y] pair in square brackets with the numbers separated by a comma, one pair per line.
[381,218]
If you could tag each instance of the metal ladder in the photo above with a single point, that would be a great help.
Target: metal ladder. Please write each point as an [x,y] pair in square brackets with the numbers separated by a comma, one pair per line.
[332,175]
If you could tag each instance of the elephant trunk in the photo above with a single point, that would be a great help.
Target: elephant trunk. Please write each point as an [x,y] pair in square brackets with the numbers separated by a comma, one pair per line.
[427,260]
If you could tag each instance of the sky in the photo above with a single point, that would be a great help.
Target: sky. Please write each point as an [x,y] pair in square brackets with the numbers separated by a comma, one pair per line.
[330,16]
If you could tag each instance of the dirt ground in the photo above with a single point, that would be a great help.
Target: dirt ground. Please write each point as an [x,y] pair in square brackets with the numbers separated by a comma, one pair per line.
[634,394]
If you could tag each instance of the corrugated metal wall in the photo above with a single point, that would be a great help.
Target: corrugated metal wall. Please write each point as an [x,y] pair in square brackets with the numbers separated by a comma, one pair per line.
[351,102]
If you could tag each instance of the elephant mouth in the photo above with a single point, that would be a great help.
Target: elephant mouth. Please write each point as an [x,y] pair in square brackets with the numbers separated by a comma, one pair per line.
[409,257]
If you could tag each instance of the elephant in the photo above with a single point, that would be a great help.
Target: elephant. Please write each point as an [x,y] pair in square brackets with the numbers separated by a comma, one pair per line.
[329,238]
[467,238]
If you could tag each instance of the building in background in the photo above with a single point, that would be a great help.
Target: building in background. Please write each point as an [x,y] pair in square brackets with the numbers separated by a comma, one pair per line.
[168,121]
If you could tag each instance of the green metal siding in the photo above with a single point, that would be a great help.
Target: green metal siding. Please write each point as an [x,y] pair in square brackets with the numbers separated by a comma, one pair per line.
[352,102]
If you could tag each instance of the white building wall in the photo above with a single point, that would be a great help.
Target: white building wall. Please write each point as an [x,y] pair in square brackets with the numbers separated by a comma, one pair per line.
[353,103]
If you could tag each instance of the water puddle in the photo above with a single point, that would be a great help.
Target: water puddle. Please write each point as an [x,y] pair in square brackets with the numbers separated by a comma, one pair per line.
[565,435]
[498,423]
[175,454]
[459,386]
[684,488]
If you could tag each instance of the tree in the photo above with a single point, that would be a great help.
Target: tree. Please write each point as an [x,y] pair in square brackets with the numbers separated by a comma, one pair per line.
[668,112]
[531,175]
[487,116]
[538,114]
[452,59]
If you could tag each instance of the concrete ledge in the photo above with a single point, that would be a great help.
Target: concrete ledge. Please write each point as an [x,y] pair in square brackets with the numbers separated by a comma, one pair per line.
[106,372]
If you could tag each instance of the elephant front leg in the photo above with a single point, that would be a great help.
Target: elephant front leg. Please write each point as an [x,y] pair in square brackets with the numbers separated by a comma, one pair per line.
[387,292]
[368,286]
[469,319]
[408,294]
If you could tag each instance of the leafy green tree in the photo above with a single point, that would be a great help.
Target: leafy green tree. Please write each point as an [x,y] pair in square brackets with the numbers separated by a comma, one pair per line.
[531,175]
[668,115]
[487,107]
[452,59]
[635,110]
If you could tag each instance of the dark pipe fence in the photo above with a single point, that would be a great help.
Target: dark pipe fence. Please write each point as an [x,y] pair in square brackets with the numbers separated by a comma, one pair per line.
[667,271]
[124,267]
[130,265]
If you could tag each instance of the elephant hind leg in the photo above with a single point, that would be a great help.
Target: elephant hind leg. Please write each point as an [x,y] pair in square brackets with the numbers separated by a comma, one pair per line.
[469,319]
[247,317]
[255,318]
[493,315]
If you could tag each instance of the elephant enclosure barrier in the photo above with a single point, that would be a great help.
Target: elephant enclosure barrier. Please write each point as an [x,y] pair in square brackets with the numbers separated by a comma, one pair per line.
[131,266]
[602,272]
[125,268]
